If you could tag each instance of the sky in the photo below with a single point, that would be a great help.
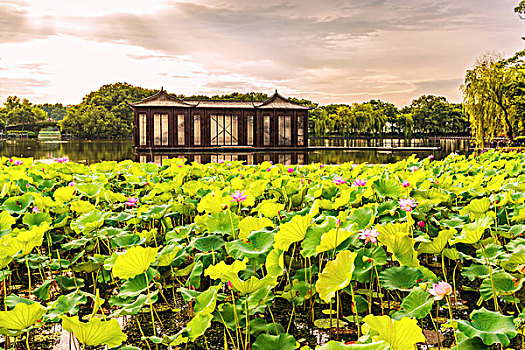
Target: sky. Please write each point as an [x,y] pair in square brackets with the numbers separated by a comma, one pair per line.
[328,51]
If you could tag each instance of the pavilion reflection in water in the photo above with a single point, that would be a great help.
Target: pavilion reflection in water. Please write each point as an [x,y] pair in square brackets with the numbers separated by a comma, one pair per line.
[285,158]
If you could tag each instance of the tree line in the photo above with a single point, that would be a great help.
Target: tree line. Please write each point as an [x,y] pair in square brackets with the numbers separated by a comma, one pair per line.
[105,114]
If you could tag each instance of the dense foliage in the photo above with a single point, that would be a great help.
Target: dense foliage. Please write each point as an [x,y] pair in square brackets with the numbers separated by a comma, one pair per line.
[267,256]
[426,115]
[104,113]
[22,113]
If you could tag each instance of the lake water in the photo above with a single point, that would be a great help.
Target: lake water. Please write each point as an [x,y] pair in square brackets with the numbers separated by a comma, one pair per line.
[89,152]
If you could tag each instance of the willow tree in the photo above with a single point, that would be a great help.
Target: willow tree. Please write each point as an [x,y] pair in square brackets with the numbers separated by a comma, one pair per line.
[487,99]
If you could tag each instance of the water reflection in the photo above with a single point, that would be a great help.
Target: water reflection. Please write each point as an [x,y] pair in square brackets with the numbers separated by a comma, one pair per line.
[89,152]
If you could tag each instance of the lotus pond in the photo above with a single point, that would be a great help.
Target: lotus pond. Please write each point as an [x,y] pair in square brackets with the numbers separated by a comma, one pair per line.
[416,254]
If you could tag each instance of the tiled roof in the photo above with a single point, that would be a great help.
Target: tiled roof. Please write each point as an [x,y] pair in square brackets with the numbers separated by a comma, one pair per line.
[163,99]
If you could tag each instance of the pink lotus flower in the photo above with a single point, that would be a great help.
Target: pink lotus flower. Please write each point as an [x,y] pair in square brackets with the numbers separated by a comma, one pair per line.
[421,224]
[18,162]
[338,180]
[431,157]
[132,201]
[290,170]
[63,159]
[407,204]
[238,196]
[221,161]
[359,183]
[10,160]
[369,235]
[440,290]
[72,183]
[405,183]
[230,284]
[413,168]
[36,210]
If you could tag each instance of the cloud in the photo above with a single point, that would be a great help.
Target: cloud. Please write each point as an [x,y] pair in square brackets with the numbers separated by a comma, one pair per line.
[24,87]
[16,25]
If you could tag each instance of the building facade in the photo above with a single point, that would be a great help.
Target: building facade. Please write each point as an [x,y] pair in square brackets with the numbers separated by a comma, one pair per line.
[163,122]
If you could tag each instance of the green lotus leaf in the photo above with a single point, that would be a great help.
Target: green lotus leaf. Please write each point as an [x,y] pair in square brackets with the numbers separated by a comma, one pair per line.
[36,219]
[224,223]
[4,259]
[337,345]
[213,202]
[476,208]
[20,319]
[194,279]
[472,233]
[82,207]
[270,209]
[223,271]
[167,255]
[258,244]
[476,271]
[208,243]
[206,301]
[68,304]
[24,241]
[387,188]
[365,262]
[397,241]
[282,341]
[336,275]
[492,327]
[64,194]
[134,261]
[332,239]
[275,262]
[250,224]
[401,278]
[466,343]
[95,332]
[504,284]
[313,236]
[516,258]
[197,326]
[43,291]
[89,222]
[156,212]
[292,231]
[252,284]
[401,335]
[18,204]
[6,221]
[132,306]
[415,305]
[363,217]
[69,283]
[89,189]
[438,243]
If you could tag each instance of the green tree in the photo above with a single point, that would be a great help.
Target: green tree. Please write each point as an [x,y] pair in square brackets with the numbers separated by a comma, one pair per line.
[104,113]
[20,113]
[54,111]
[487,99]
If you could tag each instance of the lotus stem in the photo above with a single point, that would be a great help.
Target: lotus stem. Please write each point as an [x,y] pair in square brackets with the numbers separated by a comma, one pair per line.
[356,315]
[150,305]
[28,276]
[237,330]
[494,297]
[337,301]
[27,340]
[452,320]
[142,333]
[273,319]
[247,334]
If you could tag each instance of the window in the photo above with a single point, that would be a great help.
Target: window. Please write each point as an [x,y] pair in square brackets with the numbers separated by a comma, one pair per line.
[285,130]
[142,129]
[266,130]
[180,130]
[160,129]
[224,130]
[300,131]
[197,130]
[249,130]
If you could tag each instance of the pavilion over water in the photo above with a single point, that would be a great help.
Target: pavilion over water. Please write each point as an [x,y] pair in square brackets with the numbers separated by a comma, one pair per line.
[163,122]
